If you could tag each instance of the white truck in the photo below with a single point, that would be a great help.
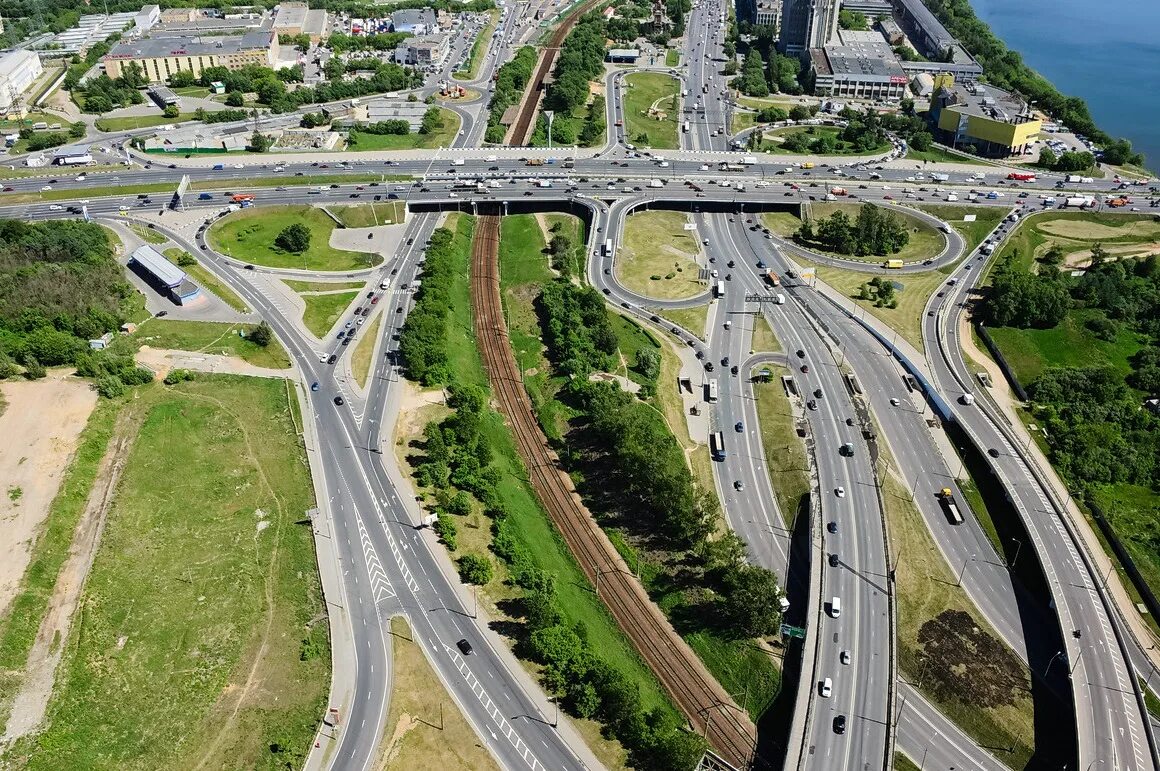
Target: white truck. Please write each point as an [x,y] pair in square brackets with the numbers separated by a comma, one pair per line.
[1077,179]
[748,160]
[457,162]
[940,177]
[1081,201]
[655,183]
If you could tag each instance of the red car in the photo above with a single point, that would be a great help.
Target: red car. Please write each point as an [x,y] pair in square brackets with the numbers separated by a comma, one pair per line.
[887,197]
[374,300]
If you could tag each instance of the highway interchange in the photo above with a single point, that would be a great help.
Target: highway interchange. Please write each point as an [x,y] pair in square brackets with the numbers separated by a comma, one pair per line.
[390,565]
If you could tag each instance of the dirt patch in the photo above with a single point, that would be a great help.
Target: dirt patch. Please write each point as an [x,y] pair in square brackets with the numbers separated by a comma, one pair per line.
[1083,257]
[1095,231]
[40,429]
[967,664]
[413,416]
[32,700]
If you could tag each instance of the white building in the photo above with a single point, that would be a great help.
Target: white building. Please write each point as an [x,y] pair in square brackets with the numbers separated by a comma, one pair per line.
[148,17]
[18,71]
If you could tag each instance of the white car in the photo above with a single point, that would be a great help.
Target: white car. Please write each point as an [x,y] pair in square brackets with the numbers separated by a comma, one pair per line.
[704,167]
[239,166]
[45,188]
[840,492]
[844,657]
[894,402]
[55,207]
[827,688]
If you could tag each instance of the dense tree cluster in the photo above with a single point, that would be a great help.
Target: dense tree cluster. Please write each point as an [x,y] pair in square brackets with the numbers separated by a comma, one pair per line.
[511,79]
[577,332]
[103,93]
[293,238]
[1006,69]
[341,43]
[1069,160]
[220,116]
[581,60]
[873,231]
[60,285]
[1018,298]
[423,340]
[854,20]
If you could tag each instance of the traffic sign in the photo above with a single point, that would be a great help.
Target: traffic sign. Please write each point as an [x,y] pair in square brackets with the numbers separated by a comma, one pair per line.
[761,298]
[793,631]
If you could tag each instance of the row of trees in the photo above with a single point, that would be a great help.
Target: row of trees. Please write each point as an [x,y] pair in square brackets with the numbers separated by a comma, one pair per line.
[423,340]
[1068,160]
[873,231]
[581,60]
[1006,69]
[511,79]
[60,285]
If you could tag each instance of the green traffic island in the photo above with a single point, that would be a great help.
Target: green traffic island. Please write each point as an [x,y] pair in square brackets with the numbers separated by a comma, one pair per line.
[294,237]
[1071,304]
[865,232]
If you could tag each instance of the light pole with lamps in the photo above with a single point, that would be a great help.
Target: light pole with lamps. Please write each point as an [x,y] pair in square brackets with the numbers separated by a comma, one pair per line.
[964,570]
[1047,668]
[1018,548]
[549,114]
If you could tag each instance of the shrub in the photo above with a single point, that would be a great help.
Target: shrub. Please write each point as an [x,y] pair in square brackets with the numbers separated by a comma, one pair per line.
[475,569]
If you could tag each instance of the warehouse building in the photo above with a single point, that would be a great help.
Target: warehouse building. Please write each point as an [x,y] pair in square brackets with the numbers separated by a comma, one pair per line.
[161,274]
[18,71]
[73,155]
[997,123]
[416,21]
[299,19]
[859,66]
[160,57]
[397,109]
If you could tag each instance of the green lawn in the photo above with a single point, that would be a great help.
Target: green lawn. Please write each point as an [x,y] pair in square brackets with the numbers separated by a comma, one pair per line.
[842,148]
[442,138]
[249,234]
[148,235]
[208,280]
[648,90]
[211,337]
[656,256]
[1071,344]
[111,125]
[785,451]
[371,214]
[364,350]
[323,310]
[938,155]
[986,218]
[322,286]
[925,241]
[903,763]
[691,319]
[192,645]
[672,57]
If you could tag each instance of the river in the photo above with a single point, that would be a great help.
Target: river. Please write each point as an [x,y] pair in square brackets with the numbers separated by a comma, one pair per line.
[1105,51]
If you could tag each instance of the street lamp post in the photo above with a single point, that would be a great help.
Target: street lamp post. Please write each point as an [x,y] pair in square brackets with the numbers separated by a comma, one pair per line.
[964,569]
[550,115]
[1048,667]
[1018,548]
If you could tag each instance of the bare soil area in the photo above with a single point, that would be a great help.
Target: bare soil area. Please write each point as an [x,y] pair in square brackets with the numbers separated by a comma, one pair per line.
[40,428]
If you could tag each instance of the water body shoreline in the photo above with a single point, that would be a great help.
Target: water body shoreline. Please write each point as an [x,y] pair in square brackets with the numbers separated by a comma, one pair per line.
[1105,53]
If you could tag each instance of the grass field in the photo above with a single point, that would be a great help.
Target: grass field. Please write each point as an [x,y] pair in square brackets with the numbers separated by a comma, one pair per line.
[764,340]
[22,619]
[645,91]
[692,319]
[1076,232]
[758,104]
[249,235]
[903,763]
[785,451]
[672,57]
[371,214]
[139,121]
[912,291]
[1071,344]
[657,245]
[938,155]
[211,337]
[208,280]
[323,310]
[964,668]
[773,141]
[425,728]
[986,218]
[322,286]
[925,241]
[148,235]
[362,141]
[364,350]
[202,638]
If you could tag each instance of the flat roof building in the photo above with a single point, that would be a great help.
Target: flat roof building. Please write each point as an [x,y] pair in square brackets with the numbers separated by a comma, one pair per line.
[767,13]
[163,275]
[299,19]
[429,51]
[147,18]
[417,21]
[622,55]
[18,71]
[807,24]
[163,96]
[72,155]
[859,66]
[160,57]
[997,123]
[926,31]
[392,109]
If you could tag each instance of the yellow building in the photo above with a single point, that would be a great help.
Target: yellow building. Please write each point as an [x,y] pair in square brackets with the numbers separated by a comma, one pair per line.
[160,57]
[997,123]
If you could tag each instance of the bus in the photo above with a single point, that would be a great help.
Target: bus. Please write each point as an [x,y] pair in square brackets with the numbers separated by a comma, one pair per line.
[711,390]
[717,445]
[608,247]
[720,289]
[893,263]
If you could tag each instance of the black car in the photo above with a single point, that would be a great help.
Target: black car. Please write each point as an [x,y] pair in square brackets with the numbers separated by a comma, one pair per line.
[333,358]
[818,394]
[733,369]
[724,361]
[993,452]
[249,267]
[840,724]
[801,354]
[708,366]
[464,646]
[339,401]
[833,558]
[832,527]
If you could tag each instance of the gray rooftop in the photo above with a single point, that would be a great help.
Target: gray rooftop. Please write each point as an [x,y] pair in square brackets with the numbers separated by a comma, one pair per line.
[157,47]
[865,54]
[925,19]
[152,260]
[987,101]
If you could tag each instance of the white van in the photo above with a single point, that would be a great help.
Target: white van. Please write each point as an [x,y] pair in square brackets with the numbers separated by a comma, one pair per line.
[827,688]
[835,606]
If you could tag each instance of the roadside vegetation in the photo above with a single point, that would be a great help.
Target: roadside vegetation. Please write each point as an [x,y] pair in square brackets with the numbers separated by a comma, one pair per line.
[511,79]
[250,235]
[657,256]
[785,452]
[652,113]
[986,218]
[439,128]
[369,215]
[190,649]
[261,349]
[860,231]
[364,351]
[1087,350]
[579,117]
[324,310]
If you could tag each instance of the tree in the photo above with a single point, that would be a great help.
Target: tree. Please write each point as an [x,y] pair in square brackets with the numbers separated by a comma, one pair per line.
[259,142]
[1047,158]
[235,99]
[1053,256]
[294,238]
[33,369]
[750,602]
[77,130]
[182,79]
[921,141]
[171,111]
[475,569]
[648,363]
[262,334]
[432,121]
[799,112]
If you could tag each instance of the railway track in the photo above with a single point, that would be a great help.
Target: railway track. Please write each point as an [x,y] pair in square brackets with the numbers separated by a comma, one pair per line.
[708,707]
[525,123]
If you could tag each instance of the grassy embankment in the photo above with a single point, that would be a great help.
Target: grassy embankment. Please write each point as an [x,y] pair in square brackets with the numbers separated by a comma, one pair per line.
[203,638]
[785,452]
[442,137]
[249,235]
[643,93]
[656,257]
[211,337]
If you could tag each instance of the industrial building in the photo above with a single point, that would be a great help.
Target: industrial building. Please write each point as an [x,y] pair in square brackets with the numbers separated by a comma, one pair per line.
[871,9]
[298,19]
[891,31]
[18,71]
[147,18]
[997,123]
[160,57]
[807,24]
[397,109]
[416,21]
[163,275]
[859,65]
[90,30]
